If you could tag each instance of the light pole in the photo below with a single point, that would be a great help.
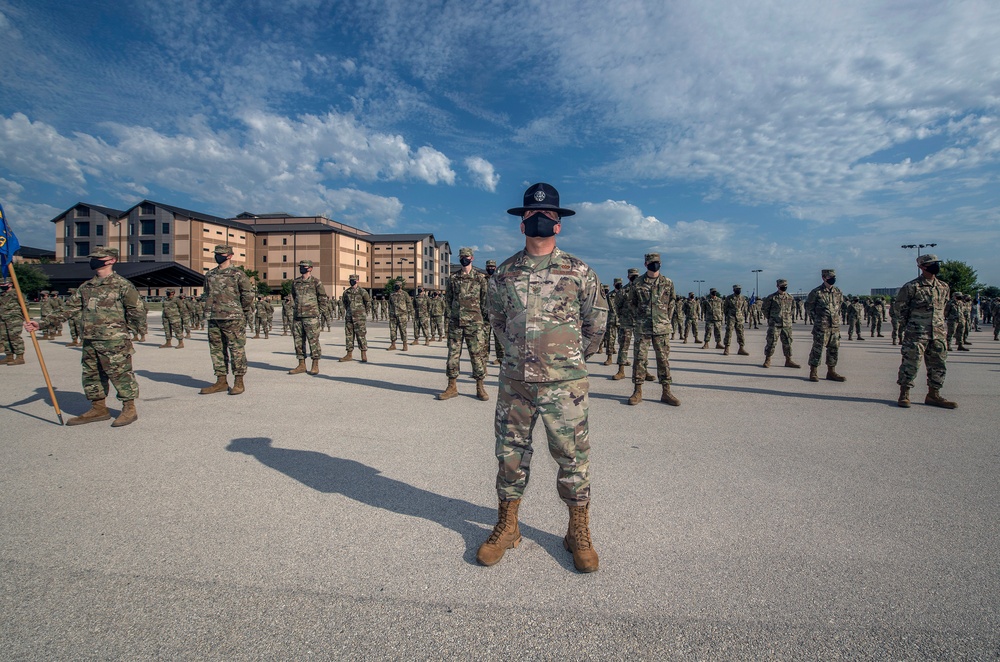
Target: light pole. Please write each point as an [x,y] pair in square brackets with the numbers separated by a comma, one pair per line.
[699,287]
[756,273]
[918,247]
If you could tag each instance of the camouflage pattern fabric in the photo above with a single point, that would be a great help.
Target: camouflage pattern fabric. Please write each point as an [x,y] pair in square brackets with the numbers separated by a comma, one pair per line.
[107,361]
[640,358]
[611,327]
[109,308]
[894,320]
[465,299]
[955,316]
[309,297]
[652,300]
[356,302]
[855,311]
[474,338]
[11,323]
[227,340]
[735,308]
[265,316]
[399,314]
[437,310]
[305,331]
[286,313]
[921,305]
[690,318]
[173,327]
[823,306]
[778,309]
[563,409]
[626,322]
[421,307]
[712,309]
[228,294]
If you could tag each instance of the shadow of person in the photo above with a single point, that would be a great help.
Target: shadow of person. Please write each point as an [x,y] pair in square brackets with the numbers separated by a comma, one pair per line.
[364,484]
[172,378]
[69,401]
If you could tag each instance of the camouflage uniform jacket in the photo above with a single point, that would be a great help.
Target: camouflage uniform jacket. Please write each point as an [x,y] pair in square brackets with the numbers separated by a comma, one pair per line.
[652,301]
[47,308]
[356,302]
[893,310]
[691,308]
[953,310]
[623,308]
[265,310]
[712,309]
[421,305]
[309,296]
[110,307]
[229,294]
[438,307]
[549,319]
[399,305]
[10,307]
[613,308]
[188,308]
[172,308]
[823,304]
[778,309]
[465,298]
[287,305]
[921,307]
[735,306]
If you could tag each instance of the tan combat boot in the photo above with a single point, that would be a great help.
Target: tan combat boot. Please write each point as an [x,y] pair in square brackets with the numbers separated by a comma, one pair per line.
[220,386]
[314,369]
[621,372]
[238,386]
[668,397]
[743,351]
[256,336]
[18,360]
[347,357]
[427,341]
[577,539]
[833,376]
[299,369]
[449,392]
[767,361]
[636,395]
[725,351]
[481,391]
[7,359]
[265,335]
[391,347]
[718,345]
[904,397]
[364,356]
[127,416]
[405,345]
[180,344]
[789,363]
[608,362]
[506,534]
[169,343]
[704,346]
[98,412]
[813,373]
[934,399]
[75,343]
[650,377]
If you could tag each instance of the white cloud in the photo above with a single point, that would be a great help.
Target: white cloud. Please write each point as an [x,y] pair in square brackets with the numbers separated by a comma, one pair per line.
[482,173]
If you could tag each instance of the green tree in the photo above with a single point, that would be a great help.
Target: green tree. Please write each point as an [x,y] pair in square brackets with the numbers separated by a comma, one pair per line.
[286,288]
[391,283]
[31,279]
[991,291]
[263,289]
[960,276]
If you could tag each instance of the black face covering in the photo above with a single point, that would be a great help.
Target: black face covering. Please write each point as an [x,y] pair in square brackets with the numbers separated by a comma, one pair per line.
[303,270]
[465,260]
[632,278]
[539,225]
[933,268]
[491,270]
[618,286]
[220,258]
[653,266]
[831,281]
[737,291]
[353,282]
[783,288]
[96,263]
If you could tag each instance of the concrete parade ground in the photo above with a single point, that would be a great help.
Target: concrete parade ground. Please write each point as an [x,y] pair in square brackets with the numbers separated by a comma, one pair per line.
[337,516]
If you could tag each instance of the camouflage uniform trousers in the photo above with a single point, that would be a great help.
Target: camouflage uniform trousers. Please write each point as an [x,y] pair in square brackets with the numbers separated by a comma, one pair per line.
[876,326]
[10,333]
[286,323]
[713,325]
[731,323]
[773,334]
[640,362]
[828,338]
[896,333]
[935,355]
[422,325]
[107,361]
[75,329]
[263,324]
[562,407]
[186,323]
[610,338]
[497,347]
[437,326]
[356,330]
[691,328]
[956,329]
[397,325]
[172,327]
[676,328]
[624,343]
[306,330]
[853,326]
[474,337]
[227,341]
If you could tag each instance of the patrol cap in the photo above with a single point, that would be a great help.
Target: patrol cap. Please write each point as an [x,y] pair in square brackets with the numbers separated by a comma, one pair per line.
[957,293]
[652,257]
[44,293]
[465,251]
[223,250]
[712,291]
[781,281]
[829,272]
[541,196]
[491,263]
[353,277]
[927,259]
[633,271]
[305,263]
[104,251]
[737,286]
[617,281]
[170,291]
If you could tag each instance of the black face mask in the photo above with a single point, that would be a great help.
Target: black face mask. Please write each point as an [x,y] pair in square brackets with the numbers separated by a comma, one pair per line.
[465,260]
[539,225]
[653,266]
[783,288]
[618,286]
[737,291]
[353,282]
[303,270]
[491,270]
[96,263]
[933,268]
[632,278]
[831,281]
[220,258]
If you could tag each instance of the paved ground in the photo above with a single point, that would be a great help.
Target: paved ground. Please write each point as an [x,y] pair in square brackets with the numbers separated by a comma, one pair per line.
[338,516]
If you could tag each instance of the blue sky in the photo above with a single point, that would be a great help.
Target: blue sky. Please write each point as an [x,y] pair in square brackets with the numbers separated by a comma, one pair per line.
[729,136]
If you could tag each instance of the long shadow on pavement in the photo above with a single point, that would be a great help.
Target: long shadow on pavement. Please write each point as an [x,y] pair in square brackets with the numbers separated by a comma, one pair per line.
[69,401]
[810,396]
[173,378]
[364,484]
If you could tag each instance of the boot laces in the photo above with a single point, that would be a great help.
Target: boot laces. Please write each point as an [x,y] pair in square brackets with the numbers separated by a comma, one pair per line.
[501,525]
[581,530]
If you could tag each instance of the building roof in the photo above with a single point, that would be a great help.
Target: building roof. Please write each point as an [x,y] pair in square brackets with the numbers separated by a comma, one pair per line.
[196,215]
[141,274]
[35,253]
[386,238]
[269,228]
[107,211]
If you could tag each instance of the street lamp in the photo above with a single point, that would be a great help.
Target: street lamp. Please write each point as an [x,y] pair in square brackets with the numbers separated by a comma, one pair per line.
[756,273]
[918,247]
[699,287]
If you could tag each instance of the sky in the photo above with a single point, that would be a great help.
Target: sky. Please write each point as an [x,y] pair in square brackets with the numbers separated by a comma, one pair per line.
[729,136]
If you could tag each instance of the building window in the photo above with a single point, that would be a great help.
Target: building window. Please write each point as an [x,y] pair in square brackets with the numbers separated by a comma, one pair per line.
[147,247]
[284,242]
[284,258]
[147,227]
[165,249]
[264,242]
[131,249]
[205,250]
[264,259]
[265,275]
[99,229]
[204,229]
[218,232]
[66,250]
[82,248]
[166,228]
[147,209]
[82,212]
[243,236]
[284,275]
[83,229]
